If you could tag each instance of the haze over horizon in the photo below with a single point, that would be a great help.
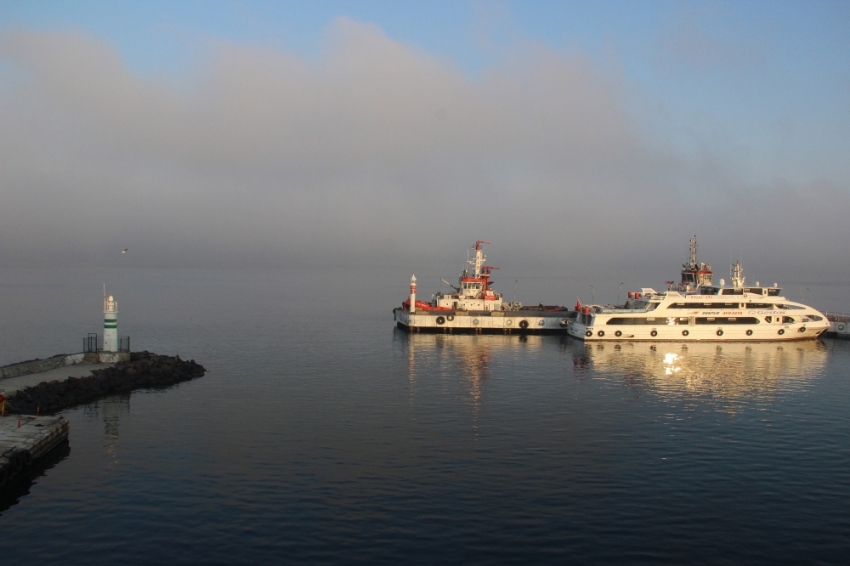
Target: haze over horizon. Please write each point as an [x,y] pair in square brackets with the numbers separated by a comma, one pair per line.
[265,134]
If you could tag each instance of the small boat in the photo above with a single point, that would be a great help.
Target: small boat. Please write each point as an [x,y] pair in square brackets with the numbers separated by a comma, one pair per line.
[696,310]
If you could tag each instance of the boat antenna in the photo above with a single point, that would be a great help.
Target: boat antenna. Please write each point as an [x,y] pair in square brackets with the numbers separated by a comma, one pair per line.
[515,284]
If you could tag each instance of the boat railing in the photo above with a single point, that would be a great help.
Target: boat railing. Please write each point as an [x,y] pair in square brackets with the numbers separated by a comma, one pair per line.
[837,317]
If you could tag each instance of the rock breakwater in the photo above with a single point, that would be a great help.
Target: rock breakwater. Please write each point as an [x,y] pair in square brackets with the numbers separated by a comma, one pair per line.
[144,370]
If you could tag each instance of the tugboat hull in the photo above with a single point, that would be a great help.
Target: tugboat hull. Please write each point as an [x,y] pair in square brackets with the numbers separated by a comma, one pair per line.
[484,322]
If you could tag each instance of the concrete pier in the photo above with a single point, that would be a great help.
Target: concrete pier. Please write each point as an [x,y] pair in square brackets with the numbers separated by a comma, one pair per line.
[24,439]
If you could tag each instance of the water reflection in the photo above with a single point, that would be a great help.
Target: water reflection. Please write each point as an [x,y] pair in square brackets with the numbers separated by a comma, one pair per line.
[469,356]
[21,484]
[729,371]
[111,408]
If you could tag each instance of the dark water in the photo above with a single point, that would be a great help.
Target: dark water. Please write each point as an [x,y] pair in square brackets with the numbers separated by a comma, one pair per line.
[323,435]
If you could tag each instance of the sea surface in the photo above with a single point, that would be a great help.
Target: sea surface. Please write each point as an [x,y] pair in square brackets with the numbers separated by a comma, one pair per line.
[323,435]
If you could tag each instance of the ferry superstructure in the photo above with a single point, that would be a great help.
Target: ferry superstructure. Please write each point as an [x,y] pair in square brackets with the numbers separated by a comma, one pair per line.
[474,307]
[697,310]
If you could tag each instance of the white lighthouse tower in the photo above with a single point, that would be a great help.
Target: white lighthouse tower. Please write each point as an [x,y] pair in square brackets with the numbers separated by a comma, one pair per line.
[413,295]
[110,324]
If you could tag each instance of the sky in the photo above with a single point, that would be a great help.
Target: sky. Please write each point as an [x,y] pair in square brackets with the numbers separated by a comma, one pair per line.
[583,134]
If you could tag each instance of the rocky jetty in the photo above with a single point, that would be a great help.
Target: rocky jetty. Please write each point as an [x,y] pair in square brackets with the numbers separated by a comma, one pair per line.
[144,370]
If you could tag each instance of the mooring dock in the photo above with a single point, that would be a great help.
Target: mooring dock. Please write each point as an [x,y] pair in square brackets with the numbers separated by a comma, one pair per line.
[27,438]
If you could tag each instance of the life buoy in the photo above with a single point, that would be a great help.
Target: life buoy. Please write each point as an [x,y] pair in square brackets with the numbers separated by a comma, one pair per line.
[523,324]
[749,332]
[564,322]
[601,333]
[618,333]
[475,321]
[441,320]
[781,331]
[802,329]
[840,327]
[450,317]
[653,333]
[541,322]
[588,333]
[720,332]
[685,332]
[509,322]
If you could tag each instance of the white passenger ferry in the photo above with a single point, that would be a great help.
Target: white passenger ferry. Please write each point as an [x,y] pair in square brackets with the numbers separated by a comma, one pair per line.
[698,310]
[474,307]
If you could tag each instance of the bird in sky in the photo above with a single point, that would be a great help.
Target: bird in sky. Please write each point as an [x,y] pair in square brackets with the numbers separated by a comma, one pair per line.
[124,250]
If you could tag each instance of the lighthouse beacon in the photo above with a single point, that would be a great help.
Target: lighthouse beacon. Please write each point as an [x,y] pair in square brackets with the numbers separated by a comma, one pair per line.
[110,324]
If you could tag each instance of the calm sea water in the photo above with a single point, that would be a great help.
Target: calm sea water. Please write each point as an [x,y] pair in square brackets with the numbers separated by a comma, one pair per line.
[321,434]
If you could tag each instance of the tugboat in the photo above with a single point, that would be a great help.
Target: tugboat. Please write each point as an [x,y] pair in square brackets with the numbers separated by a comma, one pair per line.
[473,306]
[696,309]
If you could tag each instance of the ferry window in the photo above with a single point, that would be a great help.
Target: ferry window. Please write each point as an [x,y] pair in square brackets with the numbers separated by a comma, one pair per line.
[733,292]
[637,321]
[768,319]
[755,290]
[727,320]
[773,292]
[787,320]
[742,320]
[815,317]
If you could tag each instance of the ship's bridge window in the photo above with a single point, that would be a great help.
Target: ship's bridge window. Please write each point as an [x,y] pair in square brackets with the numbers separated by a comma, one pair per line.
[732,291]
[759,306]
[791,307]
[754,290]
[773,292]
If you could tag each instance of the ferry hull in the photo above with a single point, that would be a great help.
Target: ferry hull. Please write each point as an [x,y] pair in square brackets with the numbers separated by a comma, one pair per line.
[482,322]
[696,333]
